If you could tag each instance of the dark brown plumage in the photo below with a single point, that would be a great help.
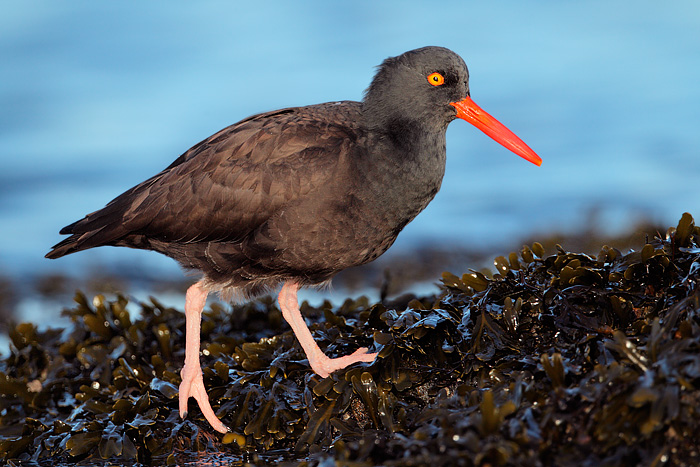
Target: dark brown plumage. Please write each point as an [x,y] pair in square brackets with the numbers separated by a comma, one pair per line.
[277,196]
[296,195]
[229,205]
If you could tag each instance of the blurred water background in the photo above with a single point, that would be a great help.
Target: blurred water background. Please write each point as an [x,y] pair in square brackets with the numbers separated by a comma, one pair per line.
[96,97]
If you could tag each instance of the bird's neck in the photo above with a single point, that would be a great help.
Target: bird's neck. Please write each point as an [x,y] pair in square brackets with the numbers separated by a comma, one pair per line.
[407,142]
[407,154]
[404,129]
[408,167]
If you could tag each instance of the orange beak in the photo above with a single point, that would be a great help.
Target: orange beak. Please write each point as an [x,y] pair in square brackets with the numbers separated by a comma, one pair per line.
[467,110]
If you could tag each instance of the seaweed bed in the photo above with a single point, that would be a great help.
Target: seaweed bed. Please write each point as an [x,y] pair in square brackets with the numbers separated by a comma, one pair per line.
[565,359]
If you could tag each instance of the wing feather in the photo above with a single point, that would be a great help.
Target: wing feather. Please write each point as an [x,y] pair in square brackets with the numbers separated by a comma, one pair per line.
[226,186]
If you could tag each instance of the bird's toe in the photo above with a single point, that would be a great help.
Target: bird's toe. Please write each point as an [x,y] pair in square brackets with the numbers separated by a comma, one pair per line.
[192,385]
[325,366]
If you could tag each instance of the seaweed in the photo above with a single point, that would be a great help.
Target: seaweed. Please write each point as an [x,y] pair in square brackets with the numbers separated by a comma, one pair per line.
[560,359]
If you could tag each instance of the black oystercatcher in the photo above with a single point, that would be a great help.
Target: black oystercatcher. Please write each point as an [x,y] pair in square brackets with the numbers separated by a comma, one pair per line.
[296,195]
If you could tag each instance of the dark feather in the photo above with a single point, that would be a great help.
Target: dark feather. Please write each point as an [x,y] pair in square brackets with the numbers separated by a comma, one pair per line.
[225,187]
[295,194]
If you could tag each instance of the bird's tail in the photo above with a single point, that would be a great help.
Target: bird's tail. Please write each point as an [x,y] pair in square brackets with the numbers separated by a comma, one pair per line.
[111,225]
[64,247]
[76,242]
[103,227]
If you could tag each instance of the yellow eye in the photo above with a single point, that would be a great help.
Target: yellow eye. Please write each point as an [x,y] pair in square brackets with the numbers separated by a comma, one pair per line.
[436,79]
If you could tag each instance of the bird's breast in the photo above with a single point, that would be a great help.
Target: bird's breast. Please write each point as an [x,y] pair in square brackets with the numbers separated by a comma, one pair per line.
[357,215]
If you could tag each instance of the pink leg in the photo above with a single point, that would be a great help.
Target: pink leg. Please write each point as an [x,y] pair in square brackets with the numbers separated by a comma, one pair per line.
[319,362]
[192,383]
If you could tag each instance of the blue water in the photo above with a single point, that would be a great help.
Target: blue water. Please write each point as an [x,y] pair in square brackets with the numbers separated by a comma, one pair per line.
[96,97]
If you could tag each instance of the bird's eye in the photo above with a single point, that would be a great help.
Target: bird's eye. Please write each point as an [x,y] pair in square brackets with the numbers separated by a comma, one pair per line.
[436,79]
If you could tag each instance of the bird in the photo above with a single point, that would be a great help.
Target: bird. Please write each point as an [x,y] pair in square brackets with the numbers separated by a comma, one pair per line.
[293,196]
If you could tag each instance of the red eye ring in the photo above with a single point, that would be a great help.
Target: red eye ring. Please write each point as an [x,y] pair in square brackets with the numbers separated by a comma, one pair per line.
[436,79]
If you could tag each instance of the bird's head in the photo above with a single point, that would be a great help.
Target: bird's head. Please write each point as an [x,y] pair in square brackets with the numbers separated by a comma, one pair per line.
[428,88]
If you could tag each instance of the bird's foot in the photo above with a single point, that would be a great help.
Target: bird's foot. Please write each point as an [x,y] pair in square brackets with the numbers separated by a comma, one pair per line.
[324,366]
[192,385]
